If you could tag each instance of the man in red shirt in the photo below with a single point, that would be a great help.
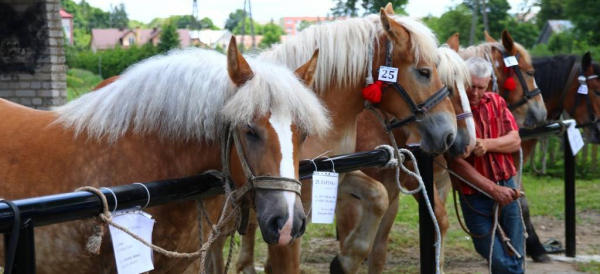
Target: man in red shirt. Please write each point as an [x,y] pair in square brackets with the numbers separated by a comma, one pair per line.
[491,169]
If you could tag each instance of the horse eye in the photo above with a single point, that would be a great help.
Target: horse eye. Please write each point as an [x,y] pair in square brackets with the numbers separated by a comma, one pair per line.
[424,73]
[303,137]
[530,73]
[251,133]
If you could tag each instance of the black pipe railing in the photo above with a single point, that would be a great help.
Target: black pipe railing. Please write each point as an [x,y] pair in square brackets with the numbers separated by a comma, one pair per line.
[542,131]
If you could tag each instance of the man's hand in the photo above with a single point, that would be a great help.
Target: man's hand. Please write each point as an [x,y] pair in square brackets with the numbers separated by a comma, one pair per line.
[481,147]
[504,195]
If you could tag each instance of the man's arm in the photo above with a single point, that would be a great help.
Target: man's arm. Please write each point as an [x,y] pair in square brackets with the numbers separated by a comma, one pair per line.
[503,195]
[508,143]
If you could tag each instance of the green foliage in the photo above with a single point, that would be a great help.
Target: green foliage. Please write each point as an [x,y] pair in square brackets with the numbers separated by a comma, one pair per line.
[134,24]
[561,43]
[497,14]
[584,15]
[524,33]
[112,61]
[349,8]
[169,38]
[271,35]
[304,25]
[550,10]
[80,82]
[207,23]
[235,18]
[258,28]
[118,17]
[591,267]
[455,20]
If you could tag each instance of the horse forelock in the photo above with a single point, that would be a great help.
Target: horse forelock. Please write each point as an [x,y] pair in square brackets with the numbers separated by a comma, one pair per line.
[344,49]
[187,95]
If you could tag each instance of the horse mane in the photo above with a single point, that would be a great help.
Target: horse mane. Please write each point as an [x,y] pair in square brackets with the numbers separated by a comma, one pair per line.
[552,73]
[452,68]
[187,95]
[344,48]
[485,50]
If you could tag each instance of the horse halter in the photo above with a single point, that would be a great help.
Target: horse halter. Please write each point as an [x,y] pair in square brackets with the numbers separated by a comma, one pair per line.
[527,94]
[253,182]
[592,115]
[418,110]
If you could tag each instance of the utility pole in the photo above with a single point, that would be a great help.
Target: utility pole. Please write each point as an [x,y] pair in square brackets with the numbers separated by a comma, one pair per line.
[486,26]
[474,23]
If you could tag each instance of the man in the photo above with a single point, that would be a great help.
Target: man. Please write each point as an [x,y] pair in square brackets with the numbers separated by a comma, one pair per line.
[491,169]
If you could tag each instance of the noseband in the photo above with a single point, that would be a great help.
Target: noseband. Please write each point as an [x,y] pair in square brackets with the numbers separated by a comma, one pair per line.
[253,182]
[527,94]
[592,115]
[418,110]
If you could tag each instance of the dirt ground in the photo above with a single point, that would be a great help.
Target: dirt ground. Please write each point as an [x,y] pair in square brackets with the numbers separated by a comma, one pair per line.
[464,260]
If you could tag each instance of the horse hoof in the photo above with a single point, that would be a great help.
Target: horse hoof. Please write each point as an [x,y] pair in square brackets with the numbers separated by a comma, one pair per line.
[336,267]
[543,258]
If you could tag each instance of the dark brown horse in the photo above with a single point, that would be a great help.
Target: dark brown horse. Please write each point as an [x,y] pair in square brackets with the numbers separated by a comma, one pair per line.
[558,79]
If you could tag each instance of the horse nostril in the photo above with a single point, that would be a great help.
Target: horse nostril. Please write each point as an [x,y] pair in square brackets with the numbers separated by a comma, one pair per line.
[277,224]
[302,227]
[449,139]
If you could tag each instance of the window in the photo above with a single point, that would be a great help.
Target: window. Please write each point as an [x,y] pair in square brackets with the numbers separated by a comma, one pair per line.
[289,22]
[131,40]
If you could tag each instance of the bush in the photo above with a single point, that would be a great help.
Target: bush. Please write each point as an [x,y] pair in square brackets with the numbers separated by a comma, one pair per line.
[112,61]
[80,82]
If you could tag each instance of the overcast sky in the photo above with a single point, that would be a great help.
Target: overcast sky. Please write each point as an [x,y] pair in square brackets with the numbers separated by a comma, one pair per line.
[262,10]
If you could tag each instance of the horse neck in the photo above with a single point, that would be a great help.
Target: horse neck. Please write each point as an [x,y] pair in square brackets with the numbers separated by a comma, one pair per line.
[569,92]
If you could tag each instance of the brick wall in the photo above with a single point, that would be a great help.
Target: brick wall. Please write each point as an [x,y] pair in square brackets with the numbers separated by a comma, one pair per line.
[34,79]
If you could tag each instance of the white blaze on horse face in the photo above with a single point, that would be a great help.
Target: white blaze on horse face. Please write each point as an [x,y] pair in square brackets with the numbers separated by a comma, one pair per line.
[282,124]
[464,101]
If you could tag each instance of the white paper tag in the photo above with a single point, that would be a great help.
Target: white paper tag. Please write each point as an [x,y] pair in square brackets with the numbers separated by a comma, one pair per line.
[510,61]
[388,74]
[324,196]
[575,139]
[583,89]
[131,255]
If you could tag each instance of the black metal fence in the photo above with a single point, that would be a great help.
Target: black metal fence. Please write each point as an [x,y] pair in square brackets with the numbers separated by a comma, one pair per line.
[53,209]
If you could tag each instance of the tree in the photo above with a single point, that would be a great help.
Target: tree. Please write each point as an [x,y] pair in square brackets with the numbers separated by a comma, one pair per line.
[271,35]
[235,18]
[497,14]
[118,17]
[207,23]
[524,33]
[348,7]
[584,14]
[258,28]
[169,38]
[304,25]
[456,19]
[550,9]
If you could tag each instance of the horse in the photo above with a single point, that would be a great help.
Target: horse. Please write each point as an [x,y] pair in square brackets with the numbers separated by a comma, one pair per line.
[523,99]
[558,78]
[346,47]
[454,74]
[163,118]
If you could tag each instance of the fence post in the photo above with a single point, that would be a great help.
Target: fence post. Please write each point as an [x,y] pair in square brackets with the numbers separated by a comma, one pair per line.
[426,228]
[569,197]
[24,262]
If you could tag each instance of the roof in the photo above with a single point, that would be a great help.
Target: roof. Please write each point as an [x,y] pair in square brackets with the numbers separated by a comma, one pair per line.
[65,14]
[109,38]
[209,37]
[558,26]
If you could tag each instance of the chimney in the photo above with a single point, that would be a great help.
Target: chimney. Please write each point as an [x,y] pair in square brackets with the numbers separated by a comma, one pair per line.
[137,35]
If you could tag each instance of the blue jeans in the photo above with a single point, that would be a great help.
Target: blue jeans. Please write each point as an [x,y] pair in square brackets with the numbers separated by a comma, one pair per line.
[509,219]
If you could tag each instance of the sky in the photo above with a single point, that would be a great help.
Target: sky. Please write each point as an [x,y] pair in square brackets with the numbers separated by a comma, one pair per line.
[262,10]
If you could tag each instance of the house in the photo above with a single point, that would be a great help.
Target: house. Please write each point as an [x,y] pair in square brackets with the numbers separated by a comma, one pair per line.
[67,25]
[109,38]
[247,41]
[552,27]
[291,24]
[211,38]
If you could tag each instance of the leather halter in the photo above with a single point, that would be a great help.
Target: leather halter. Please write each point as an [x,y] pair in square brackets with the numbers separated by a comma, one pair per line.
[527,94]
[592,115]
[418,110]
[253,182]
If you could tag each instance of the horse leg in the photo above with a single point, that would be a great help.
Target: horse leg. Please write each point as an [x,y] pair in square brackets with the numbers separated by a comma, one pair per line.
[378,255]
[245,260]
[284,259]
[533,245]
[372,204]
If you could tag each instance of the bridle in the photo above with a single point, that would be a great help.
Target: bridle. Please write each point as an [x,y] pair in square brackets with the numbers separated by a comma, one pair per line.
[527,94]
[582,79]
[418,110]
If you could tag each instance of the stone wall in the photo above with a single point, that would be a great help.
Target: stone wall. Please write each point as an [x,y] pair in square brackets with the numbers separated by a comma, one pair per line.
[32,58]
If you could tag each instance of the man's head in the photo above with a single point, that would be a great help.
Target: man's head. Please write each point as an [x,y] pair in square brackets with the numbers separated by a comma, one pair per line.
[481,72]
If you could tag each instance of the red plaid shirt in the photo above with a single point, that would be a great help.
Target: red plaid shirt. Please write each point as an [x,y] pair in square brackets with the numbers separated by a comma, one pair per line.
[492,120]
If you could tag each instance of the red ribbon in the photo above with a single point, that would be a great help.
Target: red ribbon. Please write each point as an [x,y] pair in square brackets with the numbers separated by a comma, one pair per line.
[510,84]
[372,92]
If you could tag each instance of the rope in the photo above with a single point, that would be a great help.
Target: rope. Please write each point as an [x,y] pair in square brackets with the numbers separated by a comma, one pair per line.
[393,161]
[106,217]
[399,155]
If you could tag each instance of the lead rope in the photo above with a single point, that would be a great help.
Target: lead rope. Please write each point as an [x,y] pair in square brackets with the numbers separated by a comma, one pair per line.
[399,154]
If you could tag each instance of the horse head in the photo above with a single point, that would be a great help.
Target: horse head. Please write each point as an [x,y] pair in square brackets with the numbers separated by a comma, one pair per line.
[587,110]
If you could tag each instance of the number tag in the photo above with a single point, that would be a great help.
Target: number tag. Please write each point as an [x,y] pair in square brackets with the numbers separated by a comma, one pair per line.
[131,255]
[324,197]
[388,74]
[575,139]
[510,61]
[583,89]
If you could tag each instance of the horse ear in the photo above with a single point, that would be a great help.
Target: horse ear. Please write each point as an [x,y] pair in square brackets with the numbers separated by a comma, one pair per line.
[307,71]
[237,66]
[394,30]
[489,38]
[586,62]
[454,42]
[389,9]
[508,43]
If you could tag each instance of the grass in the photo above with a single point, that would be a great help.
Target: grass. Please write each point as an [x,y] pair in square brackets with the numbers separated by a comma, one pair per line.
[80,81]
[545,195]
